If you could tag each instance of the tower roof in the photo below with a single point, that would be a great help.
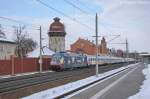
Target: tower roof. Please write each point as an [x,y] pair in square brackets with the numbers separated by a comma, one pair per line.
[57,26]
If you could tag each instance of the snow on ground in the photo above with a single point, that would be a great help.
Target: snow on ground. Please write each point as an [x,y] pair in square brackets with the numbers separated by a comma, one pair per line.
[57,91]
[144,92]
[22,74]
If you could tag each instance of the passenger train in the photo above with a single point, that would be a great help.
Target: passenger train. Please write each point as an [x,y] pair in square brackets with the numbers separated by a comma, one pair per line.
[69,60]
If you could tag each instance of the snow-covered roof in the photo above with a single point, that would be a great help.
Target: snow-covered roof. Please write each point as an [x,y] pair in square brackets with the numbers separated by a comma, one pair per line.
[4,39]
[36,53]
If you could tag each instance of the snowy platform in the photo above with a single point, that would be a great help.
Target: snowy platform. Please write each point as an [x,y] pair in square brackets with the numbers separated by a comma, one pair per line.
[144,92]
[57,91]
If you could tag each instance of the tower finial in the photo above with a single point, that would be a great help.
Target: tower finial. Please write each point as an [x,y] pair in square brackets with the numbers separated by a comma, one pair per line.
[56,19]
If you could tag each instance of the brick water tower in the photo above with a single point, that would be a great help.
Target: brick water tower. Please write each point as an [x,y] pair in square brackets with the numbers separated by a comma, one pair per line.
[57,35]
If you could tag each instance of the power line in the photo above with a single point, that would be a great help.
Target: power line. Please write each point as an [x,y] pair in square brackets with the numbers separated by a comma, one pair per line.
[117,43]
[113,38]
[16,21]
[84,5]
[27,25]
[60,12]
[83,11]
[50,7]
[70,3]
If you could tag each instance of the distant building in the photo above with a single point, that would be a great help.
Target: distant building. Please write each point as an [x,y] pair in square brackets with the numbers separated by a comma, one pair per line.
[7,47]
[103,46]
[57,36]
[120,53]
[145,57]
[88,47]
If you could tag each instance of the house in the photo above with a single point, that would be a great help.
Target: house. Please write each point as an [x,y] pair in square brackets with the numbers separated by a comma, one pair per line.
[7,47]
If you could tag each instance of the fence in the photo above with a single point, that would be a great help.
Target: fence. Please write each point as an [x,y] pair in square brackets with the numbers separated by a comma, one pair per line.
[22,65]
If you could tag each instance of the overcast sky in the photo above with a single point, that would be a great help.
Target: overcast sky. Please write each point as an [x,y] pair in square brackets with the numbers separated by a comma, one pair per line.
[128,18]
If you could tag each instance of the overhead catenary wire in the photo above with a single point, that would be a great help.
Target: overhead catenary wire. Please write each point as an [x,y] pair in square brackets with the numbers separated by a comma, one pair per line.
[60,12]
[113,38]
[79,1]
[75,6]
[13,20]
[84,5]
[29,25]
[70,3]
[24,23]
[78,8]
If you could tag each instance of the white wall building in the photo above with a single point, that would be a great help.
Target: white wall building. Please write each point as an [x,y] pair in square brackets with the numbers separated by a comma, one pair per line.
[7,47]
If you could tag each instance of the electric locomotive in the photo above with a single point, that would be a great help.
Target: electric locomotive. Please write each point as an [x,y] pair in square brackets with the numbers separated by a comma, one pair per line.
[67,60]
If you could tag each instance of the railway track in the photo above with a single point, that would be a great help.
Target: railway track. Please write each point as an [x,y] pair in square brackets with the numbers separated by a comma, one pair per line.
[7,85]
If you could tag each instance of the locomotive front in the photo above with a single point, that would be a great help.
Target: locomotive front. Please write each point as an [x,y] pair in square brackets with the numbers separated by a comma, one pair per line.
[57,62]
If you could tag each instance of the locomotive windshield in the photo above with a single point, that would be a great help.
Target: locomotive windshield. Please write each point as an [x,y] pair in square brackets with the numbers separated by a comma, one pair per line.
[57,59]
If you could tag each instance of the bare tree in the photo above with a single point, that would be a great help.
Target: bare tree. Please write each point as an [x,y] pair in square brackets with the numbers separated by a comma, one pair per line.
[24,43]
[29,45]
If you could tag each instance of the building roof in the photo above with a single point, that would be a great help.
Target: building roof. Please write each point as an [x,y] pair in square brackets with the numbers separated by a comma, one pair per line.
[145,54]
[89,42]
[45,52]
[5,40]
[85,41]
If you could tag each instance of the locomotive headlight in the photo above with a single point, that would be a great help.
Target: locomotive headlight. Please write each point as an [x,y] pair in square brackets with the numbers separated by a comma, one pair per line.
[62,60]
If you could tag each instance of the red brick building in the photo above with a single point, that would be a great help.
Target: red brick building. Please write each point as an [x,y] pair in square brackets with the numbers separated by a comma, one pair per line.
[88,47]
